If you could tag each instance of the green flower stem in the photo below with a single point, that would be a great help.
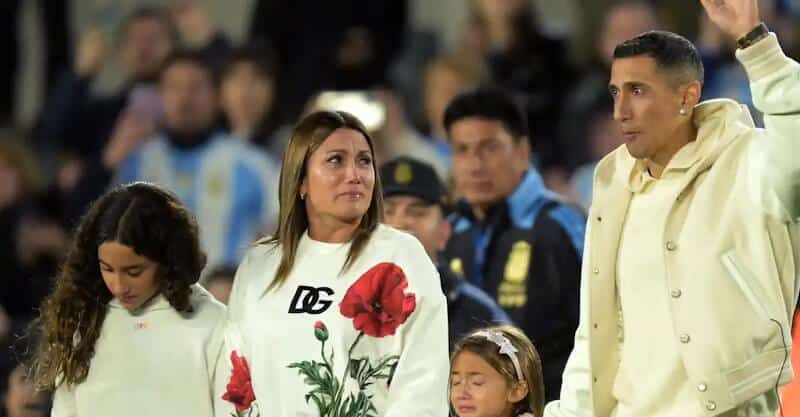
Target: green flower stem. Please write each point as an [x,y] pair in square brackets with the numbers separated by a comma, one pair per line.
[338,398]
[364,410]
[353,346]
[328,365]
[325,359]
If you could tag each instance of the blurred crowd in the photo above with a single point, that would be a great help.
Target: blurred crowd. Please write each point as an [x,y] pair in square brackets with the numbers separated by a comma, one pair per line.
[209,118]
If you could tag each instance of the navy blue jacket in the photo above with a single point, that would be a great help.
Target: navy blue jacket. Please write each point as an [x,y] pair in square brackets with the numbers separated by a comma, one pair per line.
[526,254]
[468,307]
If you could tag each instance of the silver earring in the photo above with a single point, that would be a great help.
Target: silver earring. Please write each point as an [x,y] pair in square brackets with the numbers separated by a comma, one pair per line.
[302,196]
[682,112]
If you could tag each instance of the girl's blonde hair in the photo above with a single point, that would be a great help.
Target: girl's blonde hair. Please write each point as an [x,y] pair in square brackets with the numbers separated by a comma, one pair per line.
[527,356]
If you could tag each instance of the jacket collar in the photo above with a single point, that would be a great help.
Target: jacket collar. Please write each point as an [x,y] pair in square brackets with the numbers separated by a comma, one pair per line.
[718,122]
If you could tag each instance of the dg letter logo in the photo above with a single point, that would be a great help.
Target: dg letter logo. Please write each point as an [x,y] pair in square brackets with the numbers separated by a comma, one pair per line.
[307,300]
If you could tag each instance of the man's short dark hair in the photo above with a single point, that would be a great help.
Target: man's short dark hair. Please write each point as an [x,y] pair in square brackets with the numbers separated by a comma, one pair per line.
[193,57]
[672,52]
[146,13]
[489,103]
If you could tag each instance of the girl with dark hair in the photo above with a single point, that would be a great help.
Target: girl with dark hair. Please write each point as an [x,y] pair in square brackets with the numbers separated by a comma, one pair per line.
[127,331]
[338,314]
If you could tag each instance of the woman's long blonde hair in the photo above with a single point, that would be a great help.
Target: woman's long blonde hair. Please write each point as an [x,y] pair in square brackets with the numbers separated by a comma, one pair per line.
[307,136]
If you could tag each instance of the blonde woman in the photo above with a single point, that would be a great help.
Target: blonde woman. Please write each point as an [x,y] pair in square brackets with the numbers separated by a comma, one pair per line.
[336,315]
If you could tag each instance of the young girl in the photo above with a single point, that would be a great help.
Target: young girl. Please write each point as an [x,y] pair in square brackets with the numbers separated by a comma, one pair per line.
[127,331]
[496,371]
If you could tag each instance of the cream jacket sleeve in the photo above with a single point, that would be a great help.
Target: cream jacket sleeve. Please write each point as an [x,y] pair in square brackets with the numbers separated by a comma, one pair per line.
[773,165]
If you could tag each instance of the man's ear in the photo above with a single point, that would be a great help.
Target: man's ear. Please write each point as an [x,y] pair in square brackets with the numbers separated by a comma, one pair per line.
[691,95]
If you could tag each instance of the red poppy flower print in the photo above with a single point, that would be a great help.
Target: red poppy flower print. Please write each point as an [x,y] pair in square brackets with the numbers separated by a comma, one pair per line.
[377,301]
[239,390]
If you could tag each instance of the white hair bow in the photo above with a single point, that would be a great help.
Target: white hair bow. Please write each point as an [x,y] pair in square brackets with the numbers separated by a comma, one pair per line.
[506,348]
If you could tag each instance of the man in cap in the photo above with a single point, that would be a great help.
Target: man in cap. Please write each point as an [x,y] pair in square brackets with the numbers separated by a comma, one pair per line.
[415,203]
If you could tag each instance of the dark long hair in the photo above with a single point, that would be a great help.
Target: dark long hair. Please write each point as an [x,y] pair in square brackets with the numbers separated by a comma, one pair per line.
[155,225]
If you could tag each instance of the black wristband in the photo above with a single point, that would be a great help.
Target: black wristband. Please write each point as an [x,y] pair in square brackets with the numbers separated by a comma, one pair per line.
[753,36]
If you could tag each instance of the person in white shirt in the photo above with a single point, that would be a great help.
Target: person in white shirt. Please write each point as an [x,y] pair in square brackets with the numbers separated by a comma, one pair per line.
[336,314]
[126,330]
[690,269]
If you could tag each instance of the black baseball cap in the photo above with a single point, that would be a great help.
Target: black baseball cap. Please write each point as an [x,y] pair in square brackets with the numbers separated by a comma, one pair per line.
[409,176]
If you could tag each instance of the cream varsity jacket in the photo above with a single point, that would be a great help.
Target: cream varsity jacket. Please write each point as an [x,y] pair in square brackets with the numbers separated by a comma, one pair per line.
[730,245]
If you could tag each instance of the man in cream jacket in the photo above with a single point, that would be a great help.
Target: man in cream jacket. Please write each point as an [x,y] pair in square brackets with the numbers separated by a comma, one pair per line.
[691,263]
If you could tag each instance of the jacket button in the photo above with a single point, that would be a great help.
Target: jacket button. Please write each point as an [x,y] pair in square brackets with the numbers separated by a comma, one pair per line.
[685,338]
[676,293]
[596,270]
[711,406]
[702,387]
[671,246]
